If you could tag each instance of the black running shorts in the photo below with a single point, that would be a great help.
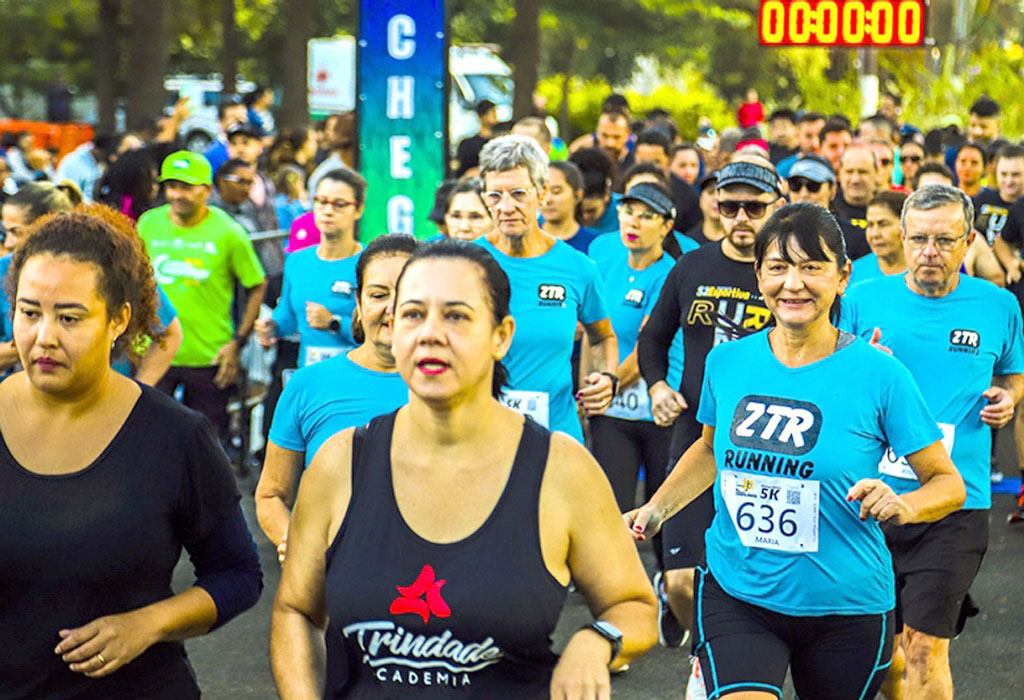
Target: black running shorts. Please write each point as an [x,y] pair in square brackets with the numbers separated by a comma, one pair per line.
[743,647]
[935,566]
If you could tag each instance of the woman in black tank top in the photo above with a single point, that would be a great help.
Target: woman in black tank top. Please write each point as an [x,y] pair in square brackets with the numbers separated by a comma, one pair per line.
[432,548]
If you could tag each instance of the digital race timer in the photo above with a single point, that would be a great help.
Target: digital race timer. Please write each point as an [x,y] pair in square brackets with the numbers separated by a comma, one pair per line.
[891,23]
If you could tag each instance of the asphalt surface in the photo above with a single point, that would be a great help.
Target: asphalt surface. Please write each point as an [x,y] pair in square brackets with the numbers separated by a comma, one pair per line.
[987,659]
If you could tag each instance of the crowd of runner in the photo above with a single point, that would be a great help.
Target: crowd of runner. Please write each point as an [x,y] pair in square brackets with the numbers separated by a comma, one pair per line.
[779,353]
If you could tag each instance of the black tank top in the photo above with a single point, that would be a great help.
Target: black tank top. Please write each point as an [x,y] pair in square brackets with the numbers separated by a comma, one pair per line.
[415,619]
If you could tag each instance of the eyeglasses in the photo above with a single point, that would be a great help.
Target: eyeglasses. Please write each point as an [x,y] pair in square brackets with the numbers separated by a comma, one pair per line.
[473,217]
[943,243]
[335,204]
[645,216]
[729,208]
[520,195]
[910,159]
[801,183]
[236,178]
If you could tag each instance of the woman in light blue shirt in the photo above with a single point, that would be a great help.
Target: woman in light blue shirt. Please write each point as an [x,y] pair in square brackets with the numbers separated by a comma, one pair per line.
[797,419]
[344,391]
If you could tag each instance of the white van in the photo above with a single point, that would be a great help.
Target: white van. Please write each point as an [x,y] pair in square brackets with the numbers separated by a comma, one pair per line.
[200,128]
[476,71]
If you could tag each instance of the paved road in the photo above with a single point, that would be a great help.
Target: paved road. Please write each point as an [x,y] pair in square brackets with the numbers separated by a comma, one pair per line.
[988,659]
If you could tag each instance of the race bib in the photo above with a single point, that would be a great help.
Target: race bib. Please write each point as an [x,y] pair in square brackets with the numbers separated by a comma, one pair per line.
[530,403]
[632,403]
[899,467]
[319,354]
[772,512]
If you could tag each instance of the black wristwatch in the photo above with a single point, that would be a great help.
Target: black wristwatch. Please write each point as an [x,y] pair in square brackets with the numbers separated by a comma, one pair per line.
[615,382]
[334,325]
[241,339]
[609,632]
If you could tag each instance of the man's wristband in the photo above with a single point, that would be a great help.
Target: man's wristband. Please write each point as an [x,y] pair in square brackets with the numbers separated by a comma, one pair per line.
[615,382]
[241,339]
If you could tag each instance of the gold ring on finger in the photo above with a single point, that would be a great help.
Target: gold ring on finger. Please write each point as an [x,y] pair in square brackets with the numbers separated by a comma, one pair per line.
[102,660]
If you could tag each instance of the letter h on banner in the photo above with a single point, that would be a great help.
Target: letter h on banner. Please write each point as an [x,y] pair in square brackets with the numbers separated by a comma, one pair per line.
[402,113]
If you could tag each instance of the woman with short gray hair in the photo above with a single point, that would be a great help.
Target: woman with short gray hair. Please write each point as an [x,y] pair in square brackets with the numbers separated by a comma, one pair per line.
[553,288]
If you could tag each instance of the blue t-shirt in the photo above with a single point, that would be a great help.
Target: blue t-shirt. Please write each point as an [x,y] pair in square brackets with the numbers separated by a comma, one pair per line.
[330,283]
[328,397]
[630,296]
[953,345]
[686,244]
[609,221]
[550,293]
[789,445]
[6,328]
[865,268]
[582,239]
[165,313]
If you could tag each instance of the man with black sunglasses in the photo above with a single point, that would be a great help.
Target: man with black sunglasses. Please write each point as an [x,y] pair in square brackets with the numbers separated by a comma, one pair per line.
[811,181]
[712,294]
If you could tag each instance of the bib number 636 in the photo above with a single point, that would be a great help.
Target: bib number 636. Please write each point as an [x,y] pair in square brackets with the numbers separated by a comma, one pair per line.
[764,517]
[771,512]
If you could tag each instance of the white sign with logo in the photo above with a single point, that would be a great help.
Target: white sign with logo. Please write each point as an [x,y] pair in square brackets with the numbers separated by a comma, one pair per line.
[899,467]
[530,403]
[632,403]
[319,354]
[773,512]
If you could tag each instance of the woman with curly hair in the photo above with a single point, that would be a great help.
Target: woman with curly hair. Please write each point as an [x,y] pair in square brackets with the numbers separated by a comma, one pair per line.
[104,480]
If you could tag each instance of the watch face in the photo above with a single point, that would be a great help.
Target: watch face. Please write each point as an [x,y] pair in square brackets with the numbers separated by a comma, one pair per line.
[608,630]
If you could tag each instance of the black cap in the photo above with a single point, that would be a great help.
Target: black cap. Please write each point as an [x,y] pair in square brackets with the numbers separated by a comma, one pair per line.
[706,180]
[752,174]
[653,197]
[243,128]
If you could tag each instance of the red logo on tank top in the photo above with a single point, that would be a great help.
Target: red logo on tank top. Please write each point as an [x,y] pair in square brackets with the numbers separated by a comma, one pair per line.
[422,598]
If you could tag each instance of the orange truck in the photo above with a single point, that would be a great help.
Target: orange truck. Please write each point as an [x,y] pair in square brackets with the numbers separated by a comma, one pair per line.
[65,137]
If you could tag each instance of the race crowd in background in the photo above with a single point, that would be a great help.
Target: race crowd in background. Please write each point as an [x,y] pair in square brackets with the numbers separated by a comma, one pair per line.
[779,352]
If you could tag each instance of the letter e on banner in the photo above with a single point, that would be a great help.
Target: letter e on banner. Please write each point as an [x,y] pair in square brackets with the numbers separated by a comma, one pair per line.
[401,30]
[400,157]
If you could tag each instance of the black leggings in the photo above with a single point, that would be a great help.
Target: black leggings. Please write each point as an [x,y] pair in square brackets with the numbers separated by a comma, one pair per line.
[743,647]
[621,447]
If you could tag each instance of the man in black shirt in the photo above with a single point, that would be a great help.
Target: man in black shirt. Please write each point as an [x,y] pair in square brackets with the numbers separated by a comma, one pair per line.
[992,206]
[710,228]
[858,184]
[653,146]
[468,153]
[782,135]
[712,293]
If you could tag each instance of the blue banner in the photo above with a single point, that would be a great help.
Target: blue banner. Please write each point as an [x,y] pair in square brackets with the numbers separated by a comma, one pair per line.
[402,108]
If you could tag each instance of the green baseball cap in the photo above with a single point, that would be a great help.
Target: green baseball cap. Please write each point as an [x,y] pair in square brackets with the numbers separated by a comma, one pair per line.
[188,167]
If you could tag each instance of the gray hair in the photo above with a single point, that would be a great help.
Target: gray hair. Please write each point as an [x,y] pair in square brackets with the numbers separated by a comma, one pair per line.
[510,152]
[935,196]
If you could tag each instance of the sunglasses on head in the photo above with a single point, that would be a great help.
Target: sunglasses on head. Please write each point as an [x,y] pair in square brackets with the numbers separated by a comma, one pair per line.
[801,183]
[729,208]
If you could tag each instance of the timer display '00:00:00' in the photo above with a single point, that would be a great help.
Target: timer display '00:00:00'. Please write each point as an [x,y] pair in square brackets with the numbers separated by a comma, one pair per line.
[842,22]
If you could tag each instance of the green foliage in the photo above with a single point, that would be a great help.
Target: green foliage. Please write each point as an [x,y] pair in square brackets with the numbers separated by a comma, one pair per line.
[992,70]
[688,100]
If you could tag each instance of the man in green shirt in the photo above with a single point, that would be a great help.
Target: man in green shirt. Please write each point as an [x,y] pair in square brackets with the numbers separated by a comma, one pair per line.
[199,255]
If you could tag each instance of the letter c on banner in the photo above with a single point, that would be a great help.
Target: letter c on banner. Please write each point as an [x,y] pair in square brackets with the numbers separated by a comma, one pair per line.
[401,30]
